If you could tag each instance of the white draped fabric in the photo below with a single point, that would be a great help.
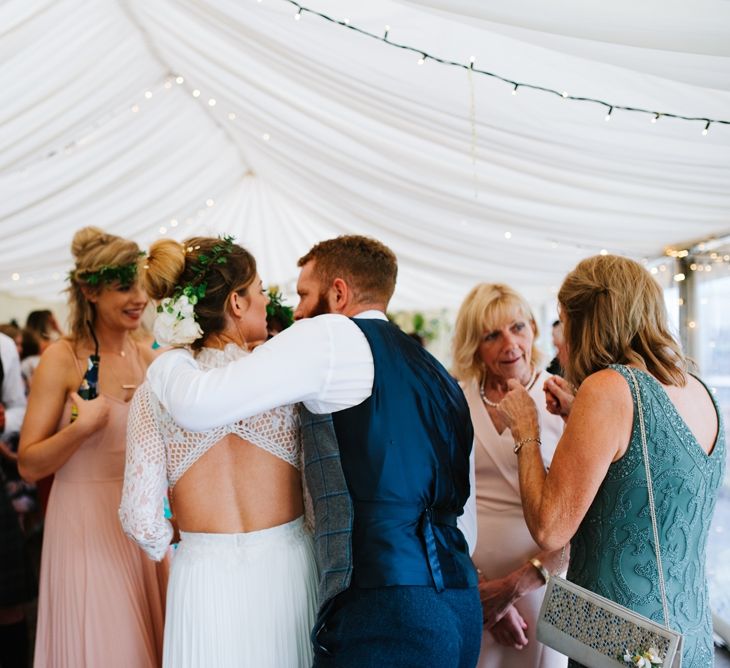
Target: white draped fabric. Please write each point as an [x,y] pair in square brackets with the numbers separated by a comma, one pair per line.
[303,130]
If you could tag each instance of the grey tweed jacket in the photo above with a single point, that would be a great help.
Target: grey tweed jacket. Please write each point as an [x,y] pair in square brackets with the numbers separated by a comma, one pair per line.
[333,511]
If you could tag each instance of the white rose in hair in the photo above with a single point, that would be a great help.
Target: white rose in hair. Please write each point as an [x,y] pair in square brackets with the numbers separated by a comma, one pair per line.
[175,323]
[187,330]
[184,307]
[164,328]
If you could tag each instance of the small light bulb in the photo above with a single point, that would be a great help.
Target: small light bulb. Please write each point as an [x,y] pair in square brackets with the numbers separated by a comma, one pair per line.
[691,324]
[298,15]
[15,277]
[387,30]
[603,252]
[196,93]
[211,102]
[163,230]
[706,130]
[148,94]
[179,80]
[472,60]
[655,118]
[346,22]
[266,136]
[654,270]
[168,84]
[508,235]
[678,278]
[209,202]
[564,93]
[514,90]
[173,222]
[608,115]
[231,116]
[135,108]
[422,59]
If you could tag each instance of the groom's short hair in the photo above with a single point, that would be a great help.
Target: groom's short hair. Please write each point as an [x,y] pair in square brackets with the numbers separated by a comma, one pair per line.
[368,266]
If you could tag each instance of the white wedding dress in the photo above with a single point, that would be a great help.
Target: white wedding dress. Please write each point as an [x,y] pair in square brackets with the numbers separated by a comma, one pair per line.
[234,600]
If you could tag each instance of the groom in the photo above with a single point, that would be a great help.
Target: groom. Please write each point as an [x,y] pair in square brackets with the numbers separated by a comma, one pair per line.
[387,437]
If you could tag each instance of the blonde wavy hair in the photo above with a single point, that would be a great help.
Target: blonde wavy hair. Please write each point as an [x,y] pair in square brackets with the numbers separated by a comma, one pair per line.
[92,249]
[613,312]
[486,307]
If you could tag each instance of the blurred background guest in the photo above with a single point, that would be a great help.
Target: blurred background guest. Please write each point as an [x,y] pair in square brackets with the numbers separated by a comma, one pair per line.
[43,323]
[557,364]
[494,342]
[595,492]
[11,329]
[101,600]
[16,581]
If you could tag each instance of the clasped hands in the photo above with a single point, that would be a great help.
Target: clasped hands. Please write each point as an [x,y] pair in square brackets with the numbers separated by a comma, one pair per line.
[518,409]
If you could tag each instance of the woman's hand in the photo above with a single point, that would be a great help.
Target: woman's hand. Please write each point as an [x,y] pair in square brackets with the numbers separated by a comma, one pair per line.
[510,630]
[559,396]
[92,414]
[519,411]
[497,596]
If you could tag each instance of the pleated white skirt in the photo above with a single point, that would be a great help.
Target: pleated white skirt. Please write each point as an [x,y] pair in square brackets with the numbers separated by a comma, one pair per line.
[242,600]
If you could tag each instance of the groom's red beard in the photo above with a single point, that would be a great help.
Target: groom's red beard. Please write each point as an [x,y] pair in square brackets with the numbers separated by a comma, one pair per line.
[321,307]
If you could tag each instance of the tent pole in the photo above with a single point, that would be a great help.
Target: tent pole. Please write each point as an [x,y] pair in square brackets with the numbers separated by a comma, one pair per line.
[688,309]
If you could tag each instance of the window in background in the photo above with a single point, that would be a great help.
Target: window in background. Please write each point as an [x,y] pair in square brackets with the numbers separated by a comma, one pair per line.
[713,332]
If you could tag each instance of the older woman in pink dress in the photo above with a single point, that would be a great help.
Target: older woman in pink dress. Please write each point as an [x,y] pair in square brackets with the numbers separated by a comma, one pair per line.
[495,341]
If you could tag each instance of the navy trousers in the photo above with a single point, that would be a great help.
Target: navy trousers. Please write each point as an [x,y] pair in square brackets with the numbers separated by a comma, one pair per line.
[399,627]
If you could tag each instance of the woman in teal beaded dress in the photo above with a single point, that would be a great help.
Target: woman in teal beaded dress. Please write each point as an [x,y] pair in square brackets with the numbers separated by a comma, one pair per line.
[595,494]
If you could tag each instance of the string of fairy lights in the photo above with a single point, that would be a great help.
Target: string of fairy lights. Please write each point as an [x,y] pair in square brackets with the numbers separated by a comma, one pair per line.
[424,56]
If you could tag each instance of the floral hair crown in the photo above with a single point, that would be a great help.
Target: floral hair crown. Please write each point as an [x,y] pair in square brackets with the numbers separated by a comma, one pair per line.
[124,274]
[176,323]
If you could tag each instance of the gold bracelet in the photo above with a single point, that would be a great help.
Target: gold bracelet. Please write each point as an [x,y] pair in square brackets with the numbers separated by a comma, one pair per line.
[544,573]
[519,444]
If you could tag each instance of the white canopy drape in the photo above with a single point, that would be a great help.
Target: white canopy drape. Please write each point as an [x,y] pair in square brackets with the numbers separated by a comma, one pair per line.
[284,132]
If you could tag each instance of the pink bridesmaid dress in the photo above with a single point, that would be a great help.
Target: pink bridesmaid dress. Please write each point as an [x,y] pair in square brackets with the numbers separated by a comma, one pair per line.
[101,600]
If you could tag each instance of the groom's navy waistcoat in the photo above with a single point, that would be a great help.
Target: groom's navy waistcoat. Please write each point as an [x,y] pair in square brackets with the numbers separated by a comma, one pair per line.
[389,477]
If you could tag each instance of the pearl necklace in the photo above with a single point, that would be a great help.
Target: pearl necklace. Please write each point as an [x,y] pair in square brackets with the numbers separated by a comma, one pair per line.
[494,404]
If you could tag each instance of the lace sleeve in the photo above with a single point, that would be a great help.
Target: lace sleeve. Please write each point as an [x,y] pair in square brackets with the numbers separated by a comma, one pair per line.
[145,478]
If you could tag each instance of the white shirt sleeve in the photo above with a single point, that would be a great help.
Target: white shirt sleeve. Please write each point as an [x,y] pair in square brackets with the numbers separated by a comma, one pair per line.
[324,362]
[12,393]
[467,521]
[145,478]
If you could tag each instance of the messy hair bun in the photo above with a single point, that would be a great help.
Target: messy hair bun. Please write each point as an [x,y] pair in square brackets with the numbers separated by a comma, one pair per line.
[163,268]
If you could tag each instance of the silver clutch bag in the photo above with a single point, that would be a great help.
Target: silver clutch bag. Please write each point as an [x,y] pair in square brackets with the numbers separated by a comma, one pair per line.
[600,633]
[597,632]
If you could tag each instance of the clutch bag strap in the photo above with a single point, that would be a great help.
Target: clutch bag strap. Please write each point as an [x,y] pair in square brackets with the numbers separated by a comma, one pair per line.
[652,508]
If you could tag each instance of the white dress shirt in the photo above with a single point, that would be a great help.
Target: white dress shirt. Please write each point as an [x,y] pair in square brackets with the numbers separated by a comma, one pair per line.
[323,362]
[12,393]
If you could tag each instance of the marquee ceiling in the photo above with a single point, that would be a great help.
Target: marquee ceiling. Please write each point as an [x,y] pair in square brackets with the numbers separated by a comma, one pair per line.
[180,117]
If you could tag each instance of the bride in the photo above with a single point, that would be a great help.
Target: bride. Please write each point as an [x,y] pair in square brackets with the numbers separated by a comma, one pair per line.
[242,588]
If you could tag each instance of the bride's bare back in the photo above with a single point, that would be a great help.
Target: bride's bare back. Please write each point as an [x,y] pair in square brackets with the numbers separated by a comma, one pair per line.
[237,487]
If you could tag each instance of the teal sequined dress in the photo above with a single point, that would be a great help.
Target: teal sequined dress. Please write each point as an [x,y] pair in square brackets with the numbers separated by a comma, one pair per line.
[612,552]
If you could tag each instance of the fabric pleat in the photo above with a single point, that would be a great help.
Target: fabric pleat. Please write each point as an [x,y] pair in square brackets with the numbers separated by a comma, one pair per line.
[242,600]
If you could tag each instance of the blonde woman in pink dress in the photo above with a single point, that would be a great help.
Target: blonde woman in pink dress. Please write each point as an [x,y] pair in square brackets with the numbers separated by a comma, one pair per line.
[101,601]
[493,342]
